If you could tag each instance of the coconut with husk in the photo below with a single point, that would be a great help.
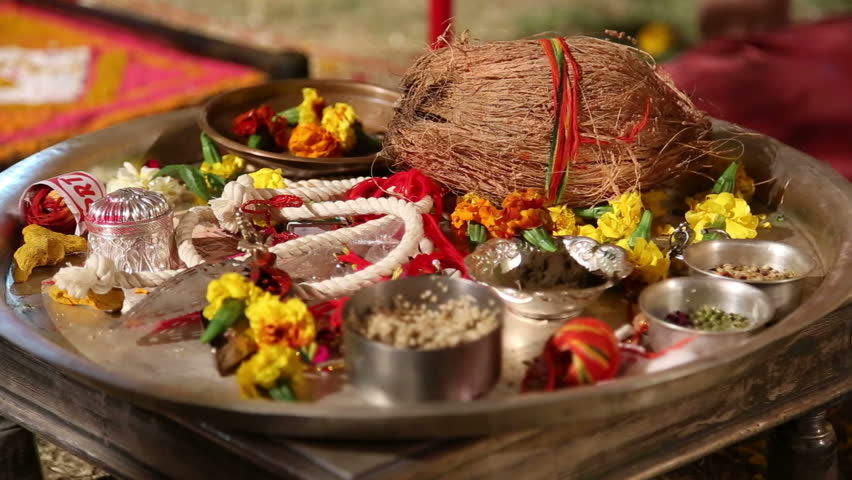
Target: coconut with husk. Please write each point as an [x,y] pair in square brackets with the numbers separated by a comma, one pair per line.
[481,118]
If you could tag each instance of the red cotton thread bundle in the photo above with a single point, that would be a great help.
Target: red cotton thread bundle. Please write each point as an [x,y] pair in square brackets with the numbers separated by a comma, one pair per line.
[47,208]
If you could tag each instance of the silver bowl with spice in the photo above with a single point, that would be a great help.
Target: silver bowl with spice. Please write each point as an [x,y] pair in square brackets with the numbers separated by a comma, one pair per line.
[422,339]
[713,313]
[775,268]
[548,285]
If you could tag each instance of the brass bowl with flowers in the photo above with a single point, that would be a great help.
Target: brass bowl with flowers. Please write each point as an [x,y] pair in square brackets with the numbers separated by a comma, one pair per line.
[372,104]
[548,285]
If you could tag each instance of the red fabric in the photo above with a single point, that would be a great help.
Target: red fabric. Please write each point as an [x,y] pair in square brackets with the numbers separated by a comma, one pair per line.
[794,85]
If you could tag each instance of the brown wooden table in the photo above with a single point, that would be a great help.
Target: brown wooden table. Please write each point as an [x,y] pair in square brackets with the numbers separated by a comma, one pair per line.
[810,370]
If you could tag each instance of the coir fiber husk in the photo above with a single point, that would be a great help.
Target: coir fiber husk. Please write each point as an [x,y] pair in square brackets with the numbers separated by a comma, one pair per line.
[479,117]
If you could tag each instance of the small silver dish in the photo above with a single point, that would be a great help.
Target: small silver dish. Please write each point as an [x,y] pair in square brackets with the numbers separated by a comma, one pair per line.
[500,264]
[386,375]
[690,293]
[786,295]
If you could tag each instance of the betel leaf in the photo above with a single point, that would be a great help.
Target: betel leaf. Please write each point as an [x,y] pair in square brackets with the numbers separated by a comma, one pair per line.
[191,177]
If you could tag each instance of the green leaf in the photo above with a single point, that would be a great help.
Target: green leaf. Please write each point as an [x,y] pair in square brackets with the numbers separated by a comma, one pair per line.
[209,150]
[191,177]
[727,180]
[216,184]
[365,141]
[282,392]
[231,310]
[643,230]
[540,238]
[718,222]
[255,141]
[476,234]
[291,115]
[593,212]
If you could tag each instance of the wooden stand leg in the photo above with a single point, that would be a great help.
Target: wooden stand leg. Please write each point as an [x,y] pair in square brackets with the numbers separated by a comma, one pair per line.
[18,455]
[804,449]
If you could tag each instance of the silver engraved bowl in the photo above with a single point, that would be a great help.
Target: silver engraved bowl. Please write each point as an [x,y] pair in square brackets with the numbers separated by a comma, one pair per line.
[501,263]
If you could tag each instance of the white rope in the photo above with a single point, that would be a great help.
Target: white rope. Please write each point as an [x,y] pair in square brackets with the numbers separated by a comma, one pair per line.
[100,274]
[238,192]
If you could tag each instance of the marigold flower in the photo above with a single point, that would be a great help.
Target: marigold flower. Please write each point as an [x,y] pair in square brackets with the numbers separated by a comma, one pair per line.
[310,110]
[229,285]
[280,322]
[739,221]
[562,220]
[312,141]
[230,166]
[744,185]
[657,201]
[340,120]
[267,367]
[521,211]
[650,263]
[268,178]
[592,232]
[473,208]
[624,217]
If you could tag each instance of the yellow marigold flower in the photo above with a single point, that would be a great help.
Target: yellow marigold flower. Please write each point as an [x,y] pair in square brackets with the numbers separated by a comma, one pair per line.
[277,322]
[473,208]
[229,285]
[655,38]
[268,178]
[230,166]
[313,141]
[657,201]
[739,221]
[563,221]
[625,216]
[267,367]
[310,110]
[340,120]
[744,185]
[650,263]
[591,232]
[666,229]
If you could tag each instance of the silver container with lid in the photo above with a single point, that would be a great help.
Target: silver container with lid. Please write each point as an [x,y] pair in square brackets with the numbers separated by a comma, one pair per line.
[133,227]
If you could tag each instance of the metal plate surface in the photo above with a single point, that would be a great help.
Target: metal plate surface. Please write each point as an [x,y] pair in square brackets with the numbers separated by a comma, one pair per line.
[179,376]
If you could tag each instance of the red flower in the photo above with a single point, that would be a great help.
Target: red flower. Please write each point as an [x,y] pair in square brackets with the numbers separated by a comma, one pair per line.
[280,131]
[249,122]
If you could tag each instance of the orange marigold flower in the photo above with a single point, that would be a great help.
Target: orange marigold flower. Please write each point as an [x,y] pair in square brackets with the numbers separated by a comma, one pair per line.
[312,141]
[521,211]
[473,208]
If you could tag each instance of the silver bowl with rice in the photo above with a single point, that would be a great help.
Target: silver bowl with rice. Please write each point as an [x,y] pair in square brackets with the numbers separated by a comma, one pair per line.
[548,286]
[422,339]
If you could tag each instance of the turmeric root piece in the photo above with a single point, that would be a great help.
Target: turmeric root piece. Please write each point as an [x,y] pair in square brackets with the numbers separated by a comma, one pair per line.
[71,243]
[44,247]
[110,301]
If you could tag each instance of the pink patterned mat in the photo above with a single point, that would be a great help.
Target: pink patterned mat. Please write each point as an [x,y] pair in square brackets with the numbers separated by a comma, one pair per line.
[127,76]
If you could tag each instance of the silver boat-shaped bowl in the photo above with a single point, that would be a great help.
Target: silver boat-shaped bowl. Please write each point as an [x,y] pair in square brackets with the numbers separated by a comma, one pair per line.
[386,375]
[689,293]
[497,263]
[786,295]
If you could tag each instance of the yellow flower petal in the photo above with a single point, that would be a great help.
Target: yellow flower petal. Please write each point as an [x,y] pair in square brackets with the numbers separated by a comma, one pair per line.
[268,178]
